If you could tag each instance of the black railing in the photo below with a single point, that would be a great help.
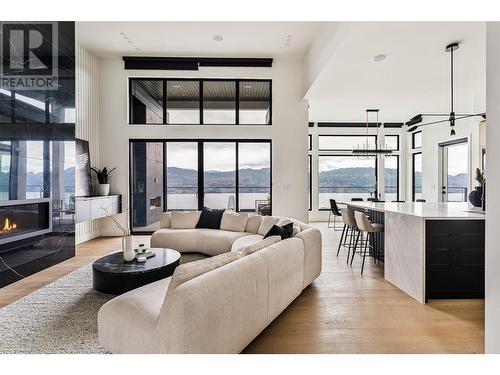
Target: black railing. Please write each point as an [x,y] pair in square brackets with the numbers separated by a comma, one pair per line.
[456,192]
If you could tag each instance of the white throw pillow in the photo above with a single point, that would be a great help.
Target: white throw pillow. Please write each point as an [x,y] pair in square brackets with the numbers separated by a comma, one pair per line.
[165,220]
[234,221]
[296,227]
[266,224]
[253,223]
[189,271]
[250,249]
[184,220]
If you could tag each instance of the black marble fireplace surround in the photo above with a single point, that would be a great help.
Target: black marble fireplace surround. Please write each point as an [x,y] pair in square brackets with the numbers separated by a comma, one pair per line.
[37,152]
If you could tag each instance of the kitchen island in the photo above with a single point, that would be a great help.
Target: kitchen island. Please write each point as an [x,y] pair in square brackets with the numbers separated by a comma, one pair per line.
[431,250]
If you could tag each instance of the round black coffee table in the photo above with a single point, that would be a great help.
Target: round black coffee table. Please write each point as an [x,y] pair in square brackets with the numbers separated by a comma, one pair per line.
[111,274]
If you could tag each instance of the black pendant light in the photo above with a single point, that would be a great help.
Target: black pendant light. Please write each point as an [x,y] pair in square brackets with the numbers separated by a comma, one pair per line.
[416,122]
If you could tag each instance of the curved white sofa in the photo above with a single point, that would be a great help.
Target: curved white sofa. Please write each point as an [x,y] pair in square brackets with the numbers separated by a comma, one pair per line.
[219,304]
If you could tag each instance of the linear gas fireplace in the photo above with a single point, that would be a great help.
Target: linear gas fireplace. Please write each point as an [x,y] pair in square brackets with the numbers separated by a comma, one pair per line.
[22,219]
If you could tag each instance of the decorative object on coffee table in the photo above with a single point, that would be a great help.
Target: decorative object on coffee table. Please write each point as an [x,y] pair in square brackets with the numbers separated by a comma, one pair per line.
[476,195]
[111,274]
[127,240]
[103,176]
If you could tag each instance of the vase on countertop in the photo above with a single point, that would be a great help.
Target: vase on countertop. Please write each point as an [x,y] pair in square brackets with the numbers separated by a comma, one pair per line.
[103,189]
[476,196]
[128,249]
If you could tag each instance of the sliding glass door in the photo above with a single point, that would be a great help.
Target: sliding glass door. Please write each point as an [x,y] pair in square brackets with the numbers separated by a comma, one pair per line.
[254,177]
[182,175]
[187,175]
[219,174]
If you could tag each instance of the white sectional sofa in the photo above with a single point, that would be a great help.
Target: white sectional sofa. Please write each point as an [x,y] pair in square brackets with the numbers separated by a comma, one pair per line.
[219,304]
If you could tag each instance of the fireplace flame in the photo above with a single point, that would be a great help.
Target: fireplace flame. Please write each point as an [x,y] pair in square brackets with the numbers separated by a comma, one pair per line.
[8,226]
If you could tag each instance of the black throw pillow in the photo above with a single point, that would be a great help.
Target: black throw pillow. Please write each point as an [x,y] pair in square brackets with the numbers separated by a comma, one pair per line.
[285,231]
[210,218]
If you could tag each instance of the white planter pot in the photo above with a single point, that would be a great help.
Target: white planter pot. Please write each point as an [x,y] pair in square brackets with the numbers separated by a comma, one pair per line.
[103,189]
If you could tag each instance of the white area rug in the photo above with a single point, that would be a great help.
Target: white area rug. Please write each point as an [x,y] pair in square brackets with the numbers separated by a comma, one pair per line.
[58,318]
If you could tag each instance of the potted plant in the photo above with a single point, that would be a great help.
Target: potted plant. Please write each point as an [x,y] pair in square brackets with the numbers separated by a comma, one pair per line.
[103,177]
[475,196]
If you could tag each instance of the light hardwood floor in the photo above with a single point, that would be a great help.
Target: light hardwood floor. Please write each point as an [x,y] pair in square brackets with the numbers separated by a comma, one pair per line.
[341,312]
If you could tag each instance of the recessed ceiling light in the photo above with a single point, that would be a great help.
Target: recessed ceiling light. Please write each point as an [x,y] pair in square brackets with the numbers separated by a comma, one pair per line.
[379,58]
[218,38]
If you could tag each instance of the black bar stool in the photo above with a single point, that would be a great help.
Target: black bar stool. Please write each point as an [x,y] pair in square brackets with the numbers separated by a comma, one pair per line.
[334,210]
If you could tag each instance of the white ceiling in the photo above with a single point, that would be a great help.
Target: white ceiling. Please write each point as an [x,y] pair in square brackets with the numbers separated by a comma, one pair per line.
[240,39]
[414,78]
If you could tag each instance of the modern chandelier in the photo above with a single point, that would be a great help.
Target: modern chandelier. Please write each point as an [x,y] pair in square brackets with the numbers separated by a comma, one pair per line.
[415,122]
[366,149]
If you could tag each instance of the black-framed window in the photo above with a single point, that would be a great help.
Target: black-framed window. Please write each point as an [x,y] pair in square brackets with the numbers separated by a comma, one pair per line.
[309,182]
[254,102]
[219,102]
[147,101]
[391,142]
[180,101]
[417,176]
[416,140]
[183,102]
[391,178]
[187,174]
[343,177]
[345,142]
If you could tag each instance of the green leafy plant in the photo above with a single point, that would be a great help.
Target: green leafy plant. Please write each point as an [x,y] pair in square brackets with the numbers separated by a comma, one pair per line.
[103,175]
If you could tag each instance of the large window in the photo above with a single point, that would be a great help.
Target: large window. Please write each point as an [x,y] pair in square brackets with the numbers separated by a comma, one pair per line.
[182,175]
[154,101]
[391,142]
[343,177]
[255,102]
[309,180]
[416,140]
[146,101]
[219,171]
[417,176]
[346,142]
[219,102]
[183,102]
[254,176]
[391,178]
[189,174]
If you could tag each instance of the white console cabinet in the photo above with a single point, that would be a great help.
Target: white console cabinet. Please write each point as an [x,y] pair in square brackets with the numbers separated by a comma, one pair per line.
[91,208]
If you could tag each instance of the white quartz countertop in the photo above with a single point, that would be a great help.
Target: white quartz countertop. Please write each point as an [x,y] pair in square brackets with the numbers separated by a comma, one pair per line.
[426,210]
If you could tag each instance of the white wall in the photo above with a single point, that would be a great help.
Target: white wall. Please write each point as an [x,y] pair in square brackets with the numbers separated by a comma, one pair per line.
[288,132]
[87,121]
[492,321]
